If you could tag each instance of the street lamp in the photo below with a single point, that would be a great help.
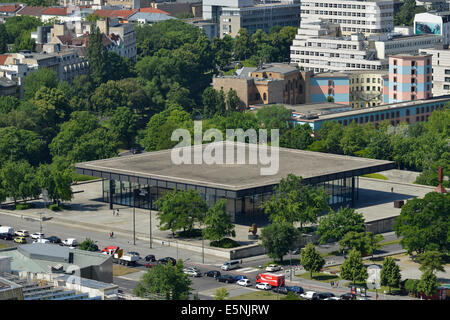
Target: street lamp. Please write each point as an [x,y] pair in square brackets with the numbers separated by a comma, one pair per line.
[150,228]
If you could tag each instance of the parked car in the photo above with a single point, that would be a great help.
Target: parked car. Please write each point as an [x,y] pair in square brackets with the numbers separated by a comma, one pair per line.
[226,278]
[151,264]
[282,290]
[332,298]
[273,268]
[6,236]
[37,235]
[244,282]
[295,251]
[348,296]
[167,259]
[150,257]
[22,233]
[309,295]
[263,286]
[240,277]
[71,242]
[53,239]
[194,272]
[134,253]
[323,296]
[362,298]
[295,289]
[41,240]
[20,240]
[212,273]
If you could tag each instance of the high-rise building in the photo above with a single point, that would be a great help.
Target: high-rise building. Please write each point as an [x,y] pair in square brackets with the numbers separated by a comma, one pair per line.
[433,23]
[367,17]
[410,77]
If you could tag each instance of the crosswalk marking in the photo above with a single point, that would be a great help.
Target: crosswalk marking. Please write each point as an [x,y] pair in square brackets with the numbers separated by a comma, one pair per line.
[246,270]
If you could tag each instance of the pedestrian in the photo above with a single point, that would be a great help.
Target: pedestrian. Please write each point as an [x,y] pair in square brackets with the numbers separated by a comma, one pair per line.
[392,189]
[114,212]
[117,212]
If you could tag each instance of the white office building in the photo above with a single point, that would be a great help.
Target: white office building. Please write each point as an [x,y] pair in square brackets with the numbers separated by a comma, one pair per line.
[437,23]
[367,17]
[441,69]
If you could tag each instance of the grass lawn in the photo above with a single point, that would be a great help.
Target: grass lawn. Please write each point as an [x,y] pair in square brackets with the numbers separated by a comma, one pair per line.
[121,271]
[258,295]
[4,246]
[81,177]
[375,176]
[322,277]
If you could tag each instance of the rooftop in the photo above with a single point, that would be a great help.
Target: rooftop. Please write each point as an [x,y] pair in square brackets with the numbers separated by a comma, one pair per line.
[32,11]
[56,11]
[234,177]
[10,8]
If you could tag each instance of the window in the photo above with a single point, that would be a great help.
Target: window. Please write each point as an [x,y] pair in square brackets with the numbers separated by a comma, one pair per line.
[395,62]
[264,96]
[395,70]
[447,71]
[413,72]
[413,63]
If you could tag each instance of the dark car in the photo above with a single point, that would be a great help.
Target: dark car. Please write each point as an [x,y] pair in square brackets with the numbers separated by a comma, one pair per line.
[282,290]
[213,273]
[323,296]
[295,289]
[150,257]
[53,239]
[166,260]
[348,296]
[239,277]
[6,236]
[226,278]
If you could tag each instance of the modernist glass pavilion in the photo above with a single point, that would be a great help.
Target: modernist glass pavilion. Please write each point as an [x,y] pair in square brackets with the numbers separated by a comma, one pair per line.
[139,180]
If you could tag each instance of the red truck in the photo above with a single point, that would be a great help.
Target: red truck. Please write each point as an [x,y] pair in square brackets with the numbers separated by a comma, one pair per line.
[275,280]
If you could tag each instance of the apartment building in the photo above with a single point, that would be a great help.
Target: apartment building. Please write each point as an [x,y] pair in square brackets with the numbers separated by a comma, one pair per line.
[410,77]
[366,17]
[259,16]
[441,69]
[397,43]
[359,89]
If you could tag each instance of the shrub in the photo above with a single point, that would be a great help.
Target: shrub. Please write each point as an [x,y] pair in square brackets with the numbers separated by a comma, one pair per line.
[194,233]
[224,243]
[54,207]
[24,206]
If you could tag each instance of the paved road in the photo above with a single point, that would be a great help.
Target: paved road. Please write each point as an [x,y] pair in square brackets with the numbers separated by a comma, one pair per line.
[204,286]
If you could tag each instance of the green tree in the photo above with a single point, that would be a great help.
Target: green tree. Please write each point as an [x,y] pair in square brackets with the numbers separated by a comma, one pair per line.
[336,224]
[218,222]
[354,138]
[222,49]
[297,138]
[18,144]
[180,210]
[278,238]
[24,42]
[295,202]
[124,124]
[311,259]
[18,180]
[88,245]
[424,224]
[274,117]
[331,134]
[432,261]
[97,57]
[165,281]
[365,243]
[390,274]
[405,16]
[221,294]
[3,39]
[353,268]
[428,283]
[213,103]
[40,78]
[57,181]
[233,101]
[242,46]
[123,67]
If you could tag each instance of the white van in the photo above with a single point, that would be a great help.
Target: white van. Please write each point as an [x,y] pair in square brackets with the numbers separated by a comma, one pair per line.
[71,242]
[229,265]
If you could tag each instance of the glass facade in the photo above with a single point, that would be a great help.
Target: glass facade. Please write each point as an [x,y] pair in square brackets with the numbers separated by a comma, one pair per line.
[243,205]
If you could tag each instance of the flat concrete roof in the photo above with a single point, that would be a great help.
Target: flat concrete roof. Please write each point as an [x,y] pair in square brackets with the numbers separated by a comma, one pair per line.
[312,166]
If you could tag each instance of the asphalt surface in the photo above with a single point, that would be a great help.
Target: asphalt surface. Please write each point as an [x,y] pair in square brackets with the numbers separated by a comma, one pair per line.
[204,286]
